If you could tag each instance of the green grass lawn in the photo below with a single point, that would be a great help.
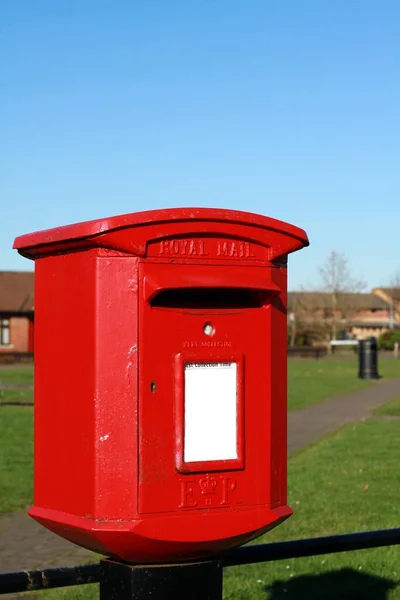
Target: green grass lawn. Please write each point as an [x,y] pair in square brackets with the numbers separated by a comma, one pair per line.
[348,482]
[392,408]
[16,385]
[16,375]
[16,456]
[309,381]
[312,381]
[16,396]
[389,367]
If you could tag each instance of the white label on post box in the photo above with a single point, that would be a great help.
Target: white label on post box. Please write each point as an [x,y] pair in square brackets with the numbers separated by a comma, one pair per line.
[210,412]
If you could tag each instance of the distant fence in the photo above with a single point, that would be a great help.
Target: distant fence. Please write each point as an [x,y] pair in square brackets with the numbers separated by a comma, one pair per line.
[349,344]
[15,357]
[307,352]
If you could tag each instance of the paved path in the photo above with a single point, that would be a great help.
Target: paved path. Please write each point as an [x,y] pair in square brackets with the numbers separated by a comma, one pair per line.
[26,545]
[307,425]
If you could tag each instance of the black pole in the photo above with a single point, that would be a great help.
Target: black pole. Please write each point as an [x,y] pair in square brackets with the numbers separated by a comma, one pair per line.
[368,359]
[331,544]
[28,581]
[186,581]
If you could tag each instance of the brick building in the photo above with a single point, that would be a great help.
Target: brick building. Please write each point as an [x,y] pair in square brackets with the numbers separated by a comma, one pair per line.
[16,312]
[391,296]
[356,316]
[360,315]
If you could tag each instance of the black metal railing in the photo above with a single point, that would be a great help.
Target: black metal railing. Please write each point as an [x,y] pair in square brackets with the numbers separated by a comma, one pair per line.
[124,581]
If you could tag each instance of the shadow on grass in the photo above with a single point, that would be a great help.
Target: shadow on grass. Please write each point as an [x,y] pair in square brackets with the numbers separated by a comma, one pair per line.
[345,584]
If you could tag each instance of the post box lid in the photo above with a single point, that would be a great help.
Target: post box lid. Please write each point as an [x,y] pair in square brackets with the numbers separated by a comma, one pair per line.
[133,232]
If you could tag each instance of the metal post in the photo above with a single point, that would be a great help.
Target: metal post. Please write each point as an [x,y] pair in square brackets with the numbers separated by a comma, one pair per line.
[186,581]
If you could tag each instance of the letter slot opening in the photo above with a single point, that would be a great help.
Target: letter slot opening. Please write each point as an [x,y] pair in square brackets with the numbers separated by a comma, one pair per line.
[210,297]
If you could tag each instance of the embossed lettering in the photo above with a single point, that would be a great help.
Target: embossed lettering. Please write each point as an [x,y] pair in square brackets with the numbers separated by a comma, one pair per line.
[229,485]
[174,246]
[183,248]
[187,495]
[216,344]
[233,252]
[192,248]
[208,485]
[203,247]
[248,252]
[235,249]
[190,344]
[222,249]
[208,491]
[164,247]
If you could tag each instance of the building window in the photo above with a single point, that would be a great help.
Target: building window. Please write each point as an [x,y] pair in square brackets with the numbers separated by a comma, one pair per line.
[4,332]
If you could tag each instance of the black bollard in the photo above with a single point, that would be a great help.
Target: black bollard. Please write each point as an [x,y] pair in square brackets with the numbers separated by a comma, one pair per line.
[368,359]
[184,581]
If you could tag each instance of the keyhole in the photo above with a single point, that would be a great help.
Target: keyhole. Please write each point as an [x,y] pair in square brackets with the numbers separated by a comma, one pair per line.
[153,387]
[208,329]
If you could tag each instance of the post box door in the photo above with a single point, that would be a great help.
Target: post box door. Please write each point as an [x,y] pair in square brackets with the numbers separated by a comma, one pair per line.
[205,387]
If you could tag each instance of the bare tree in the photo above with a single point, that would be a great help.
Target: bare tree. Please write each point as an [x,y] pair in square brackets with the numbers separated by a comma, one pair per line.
[338,282]
[292,325]
[394,298]
[306,316]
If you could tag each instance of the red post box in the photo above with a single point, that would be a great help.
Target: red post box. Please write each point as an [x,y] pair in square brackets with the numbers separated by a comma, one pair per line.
[160,380]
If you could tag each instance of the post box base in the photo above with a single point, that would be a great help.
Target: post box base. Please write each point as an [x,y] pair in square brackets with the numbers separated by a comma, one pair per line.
[163,538]
[182,581]
[374,375]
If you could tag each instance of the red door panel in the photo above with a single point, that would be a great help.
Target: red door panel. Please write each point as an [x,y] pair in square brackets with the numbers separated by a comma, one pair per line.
[177,359]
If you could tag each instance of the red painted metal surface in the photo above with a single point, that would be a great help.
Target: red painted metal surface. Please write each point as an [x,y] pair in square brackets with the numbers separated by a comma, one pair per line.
[120,309]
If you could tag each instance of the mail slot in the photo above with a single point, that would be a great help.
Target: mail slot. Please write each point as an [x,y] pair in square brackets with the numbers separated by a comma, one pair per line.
[160,381]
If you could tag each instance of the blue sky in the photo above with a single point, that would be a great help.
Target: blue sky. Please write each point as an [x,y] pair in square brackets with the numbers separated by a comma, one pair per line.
[289,108]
